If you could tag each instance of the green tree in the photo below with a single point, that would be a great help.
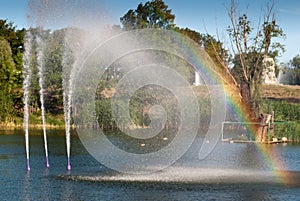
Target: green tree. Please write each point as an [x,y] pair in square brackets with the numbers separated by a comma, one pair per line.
[8,70]
[53,72]
[38,49]
[13,38]
[51,46]
[291,73]
[152,14]
[295,62]
[7,79]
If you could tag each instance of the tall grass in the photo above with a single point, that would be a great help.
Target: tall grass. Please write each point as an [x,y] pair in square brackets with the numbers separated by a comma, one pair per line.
[284,111]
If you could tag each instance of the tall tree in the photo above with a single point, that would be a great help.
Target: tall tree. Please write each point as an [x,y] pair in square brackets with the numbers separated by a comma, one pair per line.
[53,71]
[7,66]
[15,38]
[7,79]
[152,14]
[295,62]
[293,71]
[250,46]
[155,14]
[11,50]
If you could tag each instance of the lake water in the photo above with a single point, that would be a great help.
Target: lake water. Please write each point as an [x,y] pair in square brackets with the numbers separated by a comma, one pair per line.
[230,172]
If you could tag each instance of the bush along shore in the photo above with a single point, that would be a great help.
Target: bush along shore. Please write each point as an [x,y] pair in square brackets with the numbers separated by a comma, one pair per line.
[285,111]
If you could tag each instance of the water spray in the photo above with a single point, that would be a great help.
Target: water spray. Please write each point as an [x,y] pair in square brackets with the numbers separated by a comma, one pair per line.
[40,56]
[69,164]
[67,127]
[27,73]
[67,104]
[70,63]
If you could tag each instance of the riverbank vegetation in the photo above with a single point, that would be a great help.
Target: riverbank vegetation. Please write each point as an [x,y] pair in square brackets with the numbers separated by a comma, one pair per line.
[241,70]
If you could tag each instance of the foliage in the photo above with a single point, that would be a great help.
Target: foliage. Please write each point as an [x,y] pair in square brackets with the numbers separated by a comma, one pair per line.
[290,76]
[11,80]
[11,48]
[143,15]
[212,46]
[291,73]
[250,46]
[50,45]
[250,49]
[37,48]
[284,111]
[295,62]
[7,112]
[7,72]
[53,72]
[152,14]
[140,108]
[15,38]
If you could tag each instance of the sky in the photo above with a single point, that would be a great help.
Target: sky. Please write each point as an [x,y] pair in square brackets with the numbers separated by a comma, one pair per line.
[200,15]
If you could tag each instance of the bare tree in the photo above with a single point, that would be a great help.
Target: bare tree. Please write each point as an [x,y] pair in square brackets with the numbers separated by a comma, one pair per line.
[249,46]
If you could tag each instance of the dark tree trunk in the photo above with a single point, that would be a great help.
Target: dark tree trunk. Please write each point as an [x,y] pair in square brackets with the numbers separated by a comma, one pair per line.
[245,89]
[245,92]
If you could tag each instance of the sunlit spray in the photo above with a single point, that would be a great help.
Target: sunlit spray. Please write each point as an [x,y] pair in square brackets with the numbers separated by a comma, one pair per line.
[27,73]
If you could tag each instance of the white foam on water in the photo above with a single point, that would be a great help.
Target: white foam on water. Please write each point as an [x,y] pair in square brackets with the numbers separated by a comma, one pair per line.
[186,175]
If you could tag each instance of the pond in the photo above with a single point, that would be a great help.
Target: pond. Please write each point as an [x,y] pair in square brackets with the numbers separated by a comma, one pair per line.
[231,172]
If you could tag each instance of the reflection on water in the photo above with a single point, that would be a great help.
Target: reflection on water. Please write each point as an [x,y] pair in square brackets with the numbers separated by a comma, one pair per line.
[231,172]
[26,187]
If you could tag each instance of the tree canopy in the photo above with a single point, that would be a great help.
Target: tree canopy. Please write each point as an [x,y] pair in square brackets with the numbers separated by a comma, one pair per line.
[152,14]
[290,73]
[11,48]
[295,62]
[240,66]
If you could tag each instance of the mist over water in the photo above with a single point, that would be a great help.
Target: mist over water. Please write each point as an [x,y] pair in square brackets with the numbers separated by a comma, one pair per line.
[27,73]
[84,22]
[58,14]
[40,63]
[92,46]
[188,155]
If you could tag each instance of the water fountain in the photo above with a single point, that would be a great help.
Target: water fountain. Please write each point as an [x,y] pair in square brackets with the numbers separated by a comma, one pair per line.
[141,59]
[26,86]
[67,92]
[40,57]
[30,39]
[41,15]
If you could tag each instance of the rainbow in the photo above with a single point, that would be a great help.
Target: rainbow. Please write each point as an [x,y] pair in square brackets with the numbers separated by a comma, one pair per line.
[268,153]
[187,50]
[201,61]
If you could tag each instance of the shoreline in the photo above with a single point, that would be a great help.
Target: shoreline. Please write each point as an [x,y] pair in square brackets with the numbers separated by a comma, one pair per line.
[13,126]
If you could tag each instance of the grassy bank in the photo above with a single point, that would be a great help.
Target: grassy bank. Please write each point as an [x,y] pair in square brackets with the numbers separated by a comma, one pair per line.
[35,121]
[287,93]
[283,99]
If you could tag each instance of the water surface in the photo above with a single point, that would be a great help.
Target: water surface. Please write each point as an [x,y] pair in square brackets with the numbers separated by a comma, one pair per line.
[231,172]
